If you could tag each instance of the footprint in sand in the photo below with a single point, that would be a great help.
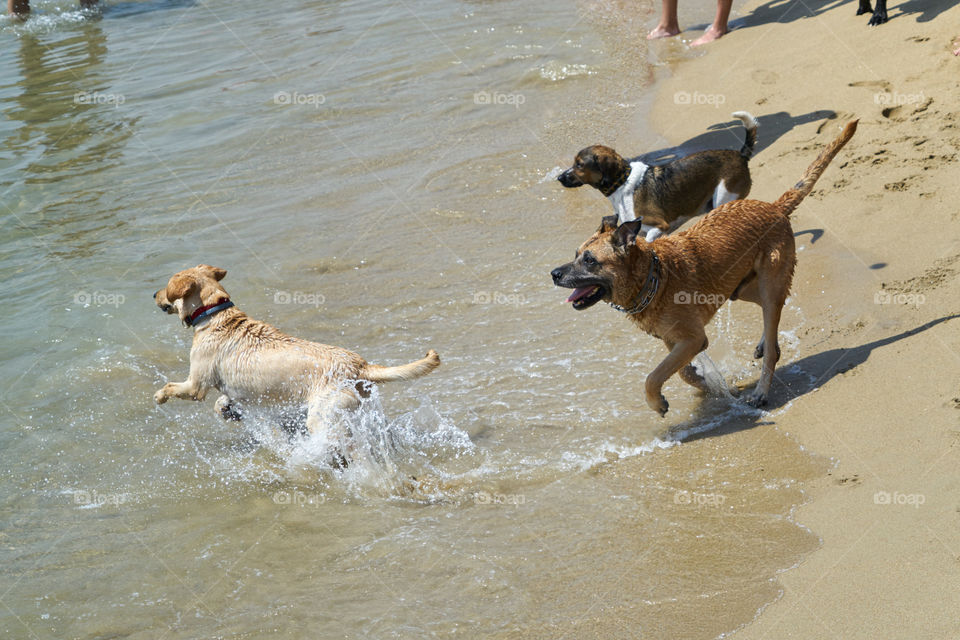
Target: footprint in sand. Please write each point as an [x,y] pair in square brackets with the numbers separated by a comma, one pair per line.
[762,76]
[872,84]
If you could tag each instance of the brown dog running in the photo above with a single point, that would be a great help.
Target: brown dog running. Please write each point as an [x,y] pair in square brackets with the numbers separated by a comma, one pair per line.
[673,286]
[250,361]
[666,196]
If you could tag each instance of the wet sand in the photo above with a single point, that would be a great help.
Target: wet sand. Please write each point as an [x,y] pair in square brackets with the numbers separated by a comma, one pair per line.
[877,281]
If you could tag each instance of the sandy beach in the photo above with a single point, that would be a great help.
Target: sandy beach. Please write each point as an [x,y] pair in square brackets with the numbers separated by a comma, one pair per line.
[877,280]
[382,178]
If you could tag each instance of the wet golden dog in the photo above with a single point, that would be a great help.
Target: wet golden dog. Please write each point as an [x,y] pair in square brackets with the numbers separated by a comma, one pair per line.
[250,361]
[673,286]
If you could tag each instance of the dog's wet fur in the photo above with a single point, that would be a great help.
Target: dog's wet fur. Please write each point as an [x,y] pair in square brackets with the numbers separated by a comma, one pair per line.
[742,250]
[249,361]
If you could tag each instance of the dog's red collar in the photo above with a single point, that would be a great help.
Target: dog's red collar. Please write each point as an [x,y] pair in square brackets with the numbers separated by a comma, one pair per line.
[208,310]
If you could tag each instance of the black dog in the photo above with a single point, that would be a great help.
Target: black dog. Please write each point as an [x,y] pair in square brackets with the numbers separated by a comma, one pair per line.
[879,14]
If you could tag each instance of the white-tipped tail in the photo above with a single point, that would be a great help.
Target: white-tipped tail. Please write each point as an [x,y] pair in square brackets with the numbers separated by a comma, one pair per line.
[750,124]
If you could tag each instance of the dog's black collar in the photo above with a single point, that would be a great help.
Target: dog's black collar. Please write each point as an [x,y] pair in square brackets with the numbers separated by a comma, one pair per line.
[647,292]
[608,188]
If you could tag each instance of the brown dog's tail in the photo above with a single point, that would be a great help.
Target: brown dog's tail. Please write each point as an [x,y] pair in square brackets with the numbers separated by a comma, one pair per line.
[750,124]
[376,373]
[792,198]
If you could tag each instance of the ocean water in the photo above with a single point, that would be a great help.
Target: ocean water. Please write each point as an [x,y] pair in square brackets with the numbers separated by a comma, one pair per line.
[380,176]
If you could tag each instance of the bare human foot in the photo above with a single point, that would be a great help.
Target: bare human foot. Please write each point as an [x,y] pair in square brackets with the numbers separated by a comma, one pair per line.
[719,27]
[669,24]
[663,31]
[709,35]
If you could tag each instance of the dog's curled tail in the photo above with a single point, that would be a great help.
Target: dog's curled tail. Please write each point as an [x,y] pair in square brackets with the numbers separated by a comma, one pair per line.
[376,373]
[750,124]
[793,197]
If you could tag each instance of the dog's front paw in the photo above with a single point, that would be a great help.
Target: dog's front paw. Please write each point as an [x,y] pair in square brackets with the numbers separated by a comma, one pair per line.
[757,399]
[879,17]
[160,396]
[864,8]
[659,405]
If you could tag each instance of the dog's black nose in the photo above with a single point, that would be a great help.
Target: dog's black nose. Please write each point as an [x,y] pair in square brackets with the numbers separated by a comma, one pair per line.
[568,180]
[556,274]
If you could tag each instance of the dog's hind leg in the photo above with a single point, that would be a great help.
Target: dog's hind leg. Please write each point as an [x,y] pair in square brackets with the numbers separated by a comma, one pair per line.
[227,410]
[680,356]
[721,195]
[325,414]
[771,320]
[773,284]
[749,291]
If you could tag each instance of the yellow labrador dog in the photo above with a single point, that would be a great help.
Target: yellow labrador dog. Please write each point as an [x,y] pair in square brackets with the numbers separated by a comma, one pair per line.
[250,361]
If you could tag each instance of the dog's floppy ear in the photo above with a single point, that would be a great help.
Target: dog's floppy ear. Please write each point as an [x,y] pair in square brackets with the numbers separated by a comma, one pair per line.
[180,286]
[626,235]
[216,272]
[608,223]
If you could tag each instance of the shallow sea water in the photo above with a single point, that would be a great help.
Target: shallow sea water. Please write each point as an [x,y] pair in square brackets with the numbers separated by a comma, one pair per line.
[379,176]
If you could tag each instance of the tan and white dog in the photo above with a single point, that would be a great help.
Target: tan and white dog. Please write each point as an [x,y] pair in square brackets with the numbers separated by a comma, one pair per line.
[672,287]
[666,196]
[249,361]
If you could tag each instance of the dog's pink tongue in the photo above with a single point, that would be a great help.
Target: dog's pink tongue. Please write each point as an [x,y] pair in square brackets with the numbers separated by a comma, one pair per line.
[580,292]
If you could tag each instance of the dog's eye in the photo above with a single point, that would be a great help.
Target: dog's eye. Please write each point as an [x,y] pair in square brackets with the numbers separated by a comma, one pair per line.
[589,260]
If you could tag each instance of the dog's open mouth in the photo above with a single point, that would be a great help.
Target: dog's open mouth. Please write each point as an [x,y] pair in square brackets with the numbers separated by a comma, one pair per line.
[585,297]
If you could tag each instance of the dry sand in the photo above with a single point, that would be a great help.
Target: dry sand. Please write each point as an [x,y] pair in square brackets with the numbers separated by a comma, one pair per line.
[880,290]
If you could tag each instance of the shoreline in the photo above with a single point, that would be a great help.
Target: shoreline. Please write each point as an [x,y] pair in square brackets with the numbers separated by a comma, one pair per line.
[881,337]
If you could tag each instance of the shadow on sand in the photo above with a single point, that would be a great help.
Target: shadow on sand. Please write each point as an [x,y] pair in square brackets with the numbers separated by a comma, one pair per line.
[794,379]
[786,11]
[730,134]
